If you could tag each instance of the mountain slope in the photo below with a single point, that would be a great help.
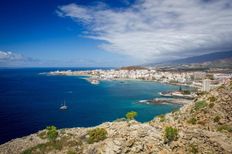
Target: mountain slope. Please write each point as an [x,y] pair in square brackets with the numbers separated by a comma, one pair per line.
[206,58]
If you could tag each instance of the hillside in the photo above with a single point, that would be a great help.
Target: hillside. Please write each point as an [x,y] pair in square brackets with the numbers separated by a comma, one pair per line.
[203,126]
[212,60]
[204,58]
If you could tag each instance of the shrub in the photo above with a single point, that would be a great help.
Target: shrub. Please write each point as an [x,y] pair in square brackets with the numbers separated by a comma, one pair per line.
[225,128]
[193,148]
[161,118]
[131,115]
[216,119]
[170,134]
[44,147]
[96,135]
[52,133]
[211,105]
[200,105]
[212,99]
[192,121]
[71,152]
[43,135]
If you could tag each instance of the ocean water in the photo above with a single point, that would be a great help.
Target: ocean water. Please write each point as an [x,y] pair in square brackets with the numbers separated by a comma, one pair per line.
[29,101]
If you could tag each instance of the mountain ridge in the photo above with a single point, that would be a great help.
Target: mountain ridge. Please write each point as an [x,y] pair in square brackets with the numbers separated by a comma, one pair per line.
[212,57]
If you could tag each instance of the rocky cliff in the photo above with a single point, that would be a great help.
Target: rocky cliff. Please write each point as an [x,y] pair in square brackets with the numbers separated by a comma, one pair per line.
[203,126]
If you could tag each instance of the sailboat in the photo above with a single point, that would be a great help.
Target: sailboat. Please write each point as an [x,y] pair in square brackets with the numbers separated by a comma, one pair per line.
[63,107]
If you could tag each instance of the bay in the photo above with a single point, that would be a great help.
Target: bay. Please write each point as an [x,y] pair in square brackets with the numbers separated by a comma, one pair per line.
[29,101]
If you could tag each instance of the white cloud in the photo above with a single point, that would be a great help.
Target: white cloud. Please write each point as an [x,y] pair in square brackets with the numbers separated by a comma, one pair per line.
[9,59]
[158,29]
[10,56]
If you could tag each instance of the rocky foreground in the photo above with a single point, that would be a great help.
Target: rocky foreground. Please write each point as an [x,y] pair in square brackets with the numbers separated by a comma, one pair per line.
[203,126]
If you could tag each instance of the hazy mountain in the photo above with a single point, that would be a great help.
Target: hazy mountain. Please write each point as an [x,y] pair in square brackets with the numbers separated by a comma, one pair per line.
[223,57]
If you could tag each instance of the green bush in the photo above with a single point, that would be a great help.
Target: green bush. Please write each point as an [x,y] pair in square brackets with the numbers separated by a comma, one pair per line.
[161,118]
[171,134]
[96,135]
[200,105]
[225,128]
[216,119]
[131,115]
[192,121]
[52,133]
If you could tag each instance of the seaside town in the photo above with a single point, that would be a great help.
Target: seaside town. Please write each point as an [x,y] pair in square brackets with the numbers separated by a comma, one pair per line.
[198,81]
[203,81]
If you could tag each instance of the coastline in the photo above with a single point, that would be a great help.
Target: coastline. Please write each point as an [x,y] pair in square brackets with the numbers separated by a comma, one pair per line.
[176,101]
[189,124]
[118,79]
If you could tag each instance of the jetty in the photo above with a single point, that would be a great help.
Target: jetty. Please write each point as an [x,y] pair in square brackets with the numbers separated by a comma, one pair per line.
[178,101]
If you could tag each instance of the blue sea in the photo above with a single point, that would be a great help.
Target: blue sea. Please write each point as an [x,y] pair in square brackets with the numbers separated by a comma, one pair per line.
[30,101]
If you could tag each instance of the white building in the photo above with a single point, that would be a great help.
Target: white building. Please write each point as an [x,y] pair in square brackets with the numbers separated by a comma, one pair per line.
[206,85]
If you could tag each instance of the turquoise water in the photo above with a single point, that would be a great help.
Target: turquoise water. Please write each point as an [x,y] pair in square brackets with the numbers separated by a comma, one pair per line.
[30,102]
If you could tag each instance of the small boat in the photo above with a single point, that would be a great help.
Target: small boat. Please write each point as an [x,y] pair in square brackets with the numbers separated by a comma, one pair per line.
[63,107]
[94,81]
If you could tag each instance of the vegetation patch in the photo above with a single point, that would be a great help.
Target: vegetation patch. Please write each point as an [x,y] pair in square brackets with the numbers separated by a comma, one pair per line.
[161,118]
[211,105]
[131,115]
[71,152]
[44,148]
[199,105]
[170,134]
[193,148]
[225,128]
[192,121]
[216,119]
[52,133]
[42,135]
[212,99]
[201,93]
[53,145]
[96,135]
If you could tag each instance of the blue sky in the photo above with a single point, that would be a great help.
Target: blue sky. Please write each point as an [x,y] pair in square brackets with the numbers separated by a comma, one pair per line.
[33,29]
[90,33]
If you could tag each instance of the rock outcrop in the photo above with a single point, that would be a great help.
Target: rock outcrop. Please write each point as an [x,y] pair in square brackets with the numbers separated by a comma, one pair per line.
[203,126]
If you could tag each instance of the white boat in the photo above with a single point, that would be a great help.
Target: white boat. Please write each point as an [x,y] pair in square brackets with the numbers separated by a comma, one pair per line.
[63,107]
[94,81]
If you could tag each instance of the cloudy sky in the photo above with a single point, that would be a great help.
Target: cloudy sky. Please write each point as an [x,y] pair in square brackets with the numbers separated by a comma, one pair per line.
[111,33]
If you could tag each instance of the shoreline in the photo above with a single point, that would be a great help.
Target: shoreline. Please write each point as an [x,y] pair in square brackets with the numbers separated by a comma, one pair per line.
[117,79]
[171,100]
[174,101]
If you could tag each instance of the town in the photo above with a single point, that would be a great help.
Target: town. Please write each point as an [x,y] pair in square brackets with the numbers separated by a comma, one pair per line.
[200,80]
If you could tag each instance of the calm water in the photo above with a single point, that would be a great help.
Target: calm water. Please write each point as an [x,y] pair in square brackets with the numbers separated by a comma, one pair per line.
[30,102]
